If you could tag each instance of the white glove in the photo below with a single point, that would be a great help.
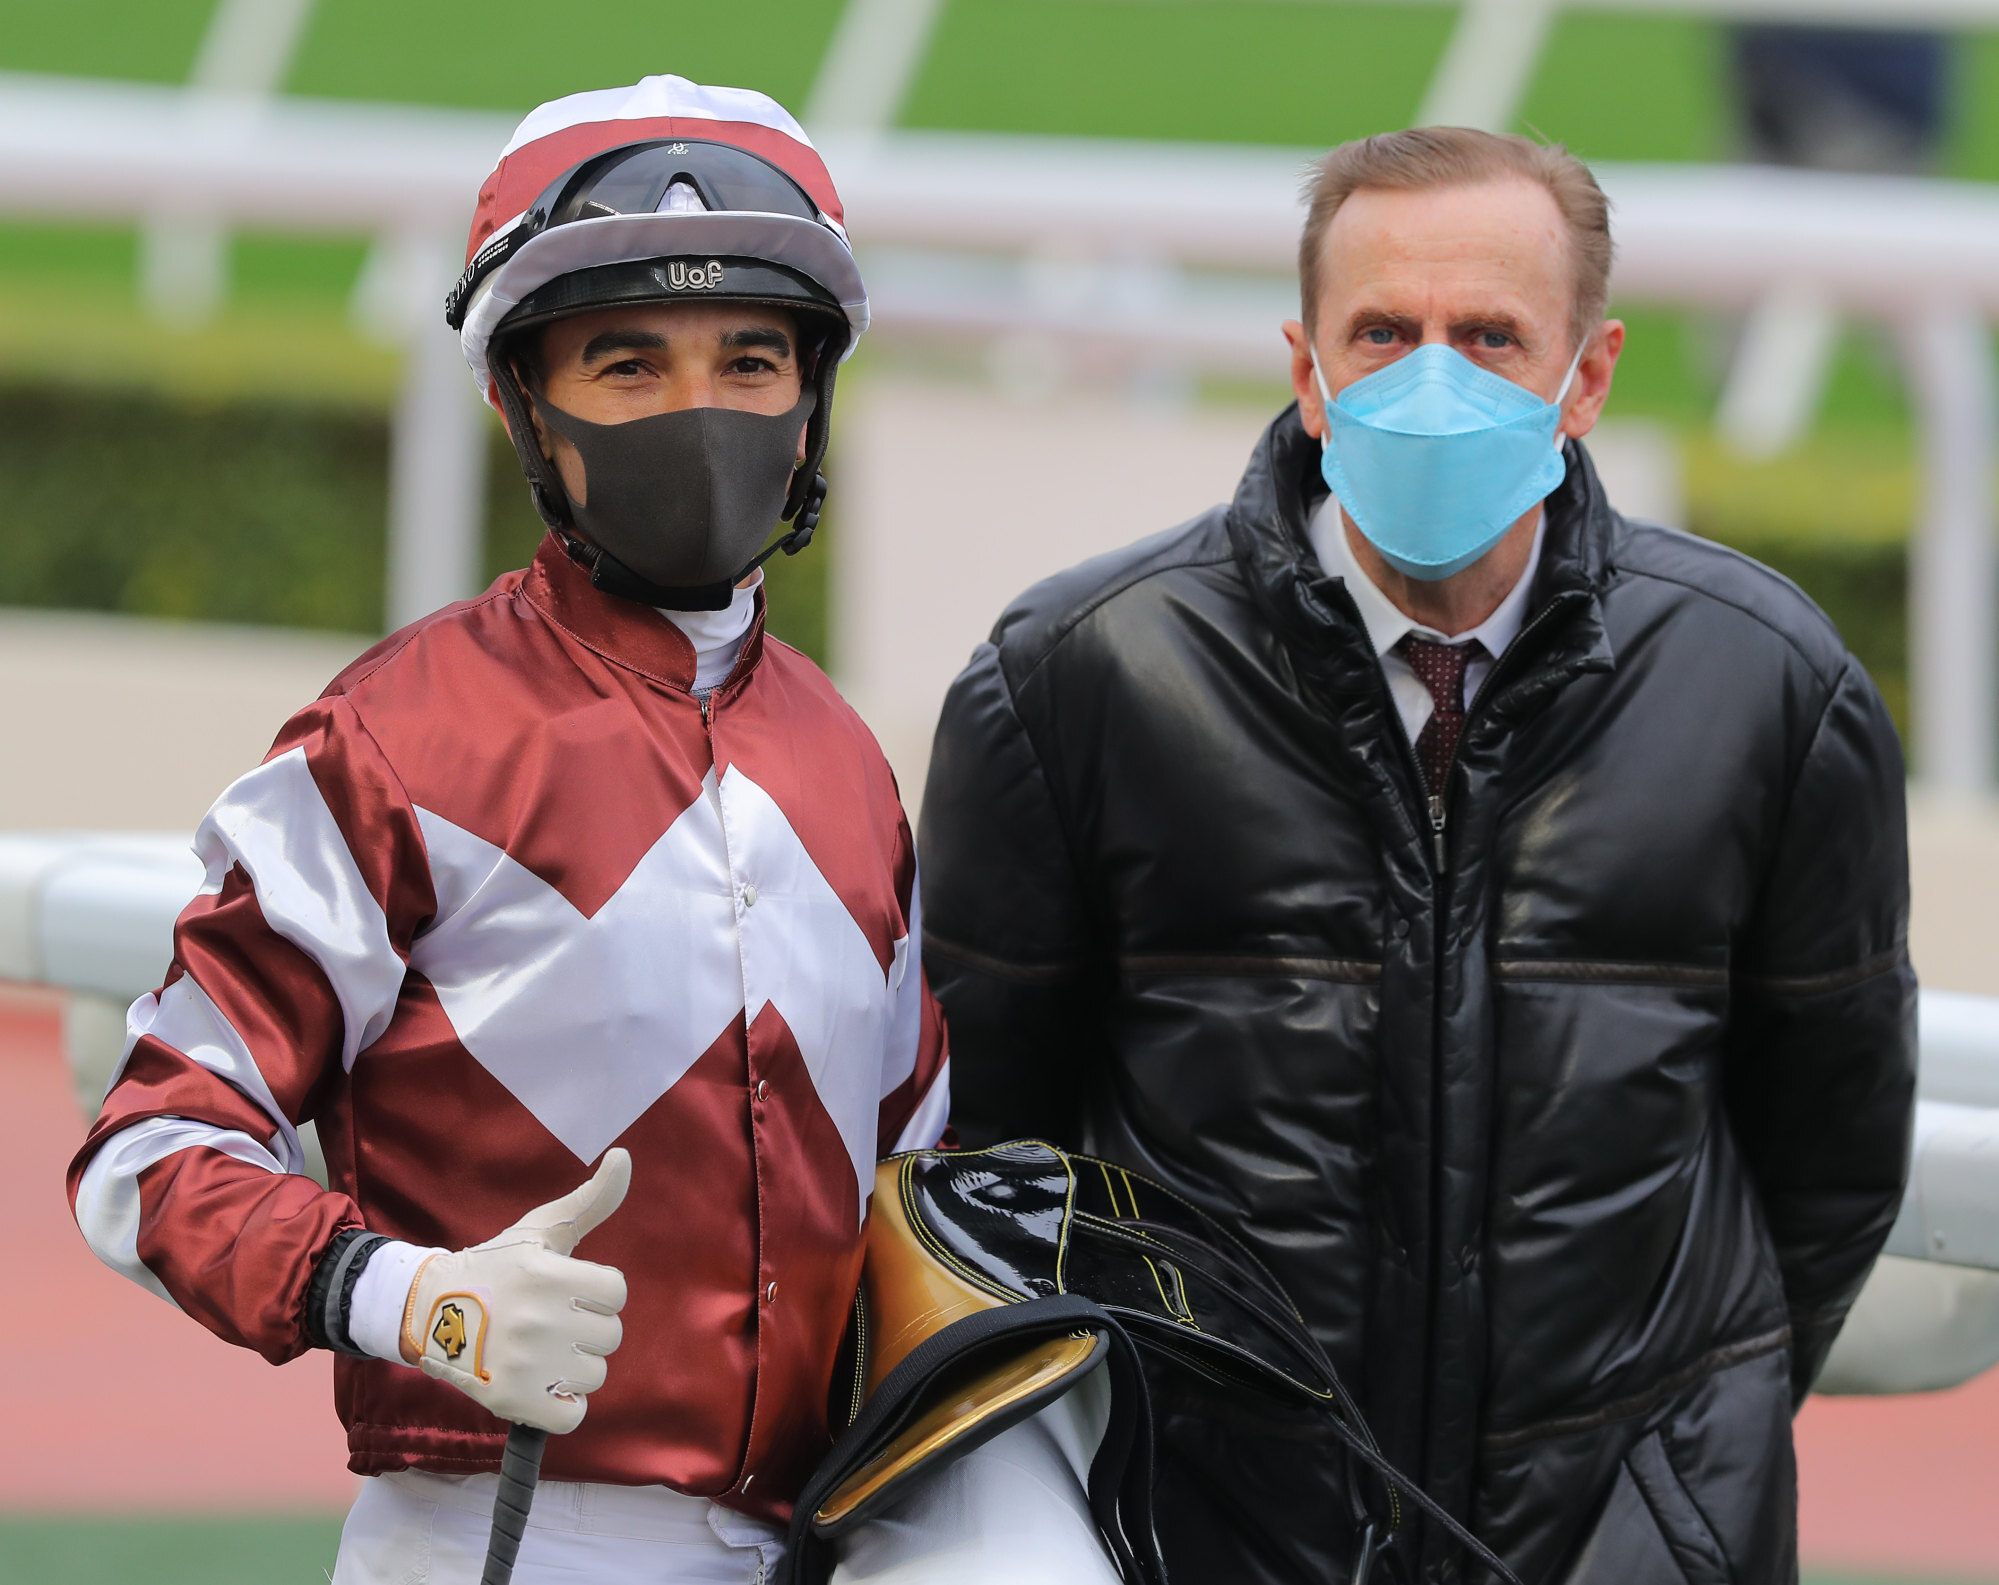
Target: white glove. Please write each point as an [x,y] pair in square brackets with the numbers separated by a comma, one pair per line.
[516,1324]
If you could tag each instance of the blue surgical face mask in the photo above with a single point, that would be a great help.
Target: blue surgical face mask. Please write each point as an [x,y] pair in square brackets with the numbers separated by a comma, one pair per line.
[1435,458]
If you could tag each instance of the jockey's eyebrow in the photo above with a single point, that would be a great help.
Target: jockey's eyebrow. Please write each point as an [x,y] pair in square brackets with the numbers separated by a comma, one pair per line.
[622,339]
[766,336]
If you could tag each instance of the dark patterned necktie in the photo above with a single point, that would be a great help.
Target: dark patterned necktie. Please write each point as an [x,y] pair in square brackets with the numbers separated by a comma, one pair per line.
[1442,669]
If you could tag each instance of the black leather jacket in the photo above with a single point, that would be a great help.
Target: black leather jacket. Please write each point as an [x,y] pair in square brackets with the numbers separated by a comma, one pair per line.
[1573,1125]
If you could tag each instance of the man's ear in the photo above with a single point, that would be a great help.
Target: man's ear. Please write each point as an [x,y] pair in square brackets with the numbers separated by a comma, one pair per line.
[1311,411]
[1594,372]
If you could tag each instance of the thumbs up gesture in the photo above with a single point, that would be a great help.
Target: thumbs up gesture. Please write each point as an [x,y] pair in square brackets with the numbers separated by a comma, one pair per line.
[518,1324]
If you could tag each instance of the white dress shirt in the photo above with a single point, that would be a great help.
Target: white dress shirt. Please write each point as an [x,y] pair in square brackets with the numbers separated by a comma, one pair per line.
[1387,626]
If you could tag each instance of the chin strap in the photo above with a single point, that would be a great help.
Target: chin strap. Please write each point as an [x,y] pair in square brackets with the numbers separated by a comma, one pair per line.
[551,501]
[614,577]
[802,529]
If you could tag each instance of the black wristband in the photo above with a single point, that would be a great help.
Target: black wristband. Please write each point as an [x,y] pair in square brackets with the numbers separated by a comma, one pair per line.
[331,1292]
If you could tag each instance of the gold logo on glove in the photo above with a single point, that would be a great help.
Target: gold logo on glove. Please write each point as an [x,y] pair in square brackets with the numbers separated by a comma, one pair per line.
[449,1333]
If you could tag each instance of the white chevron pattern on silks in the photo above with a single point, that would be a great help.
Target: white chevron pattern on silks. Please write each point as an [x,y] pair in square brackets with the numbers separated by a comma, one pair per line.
[184,1017]
[275,823]
[108,1209]
[589,1021]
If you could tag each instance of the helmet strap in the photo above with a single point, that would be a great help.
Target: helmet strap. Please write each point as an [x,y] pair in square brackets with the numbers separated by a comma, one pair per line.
[551,500]
[805,524]
[614,577]
[807,479]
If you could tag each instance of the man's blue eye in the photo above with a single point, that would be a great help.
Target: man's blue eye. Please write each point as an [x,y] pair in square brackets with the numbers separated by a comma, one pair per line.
[1381,336]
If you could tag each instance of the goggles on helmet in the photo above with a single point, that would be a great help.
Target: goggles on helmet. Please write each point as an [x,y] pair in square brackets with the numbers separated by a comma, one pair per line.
[636,180]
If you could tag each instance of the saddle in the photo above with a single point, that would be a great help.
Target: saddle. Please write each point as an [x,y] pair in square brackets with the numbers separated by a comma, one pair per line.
[996,1279]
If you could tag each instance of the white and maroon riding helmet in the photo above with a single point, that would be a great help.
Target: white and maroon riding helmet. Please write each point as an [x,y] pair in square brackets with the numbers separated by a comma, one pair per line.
[664,191]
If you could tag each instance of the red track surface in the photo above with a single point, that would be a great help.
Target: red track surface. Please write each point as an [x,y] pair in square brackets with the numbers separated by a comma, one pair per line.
[117,1401]
[128,1405]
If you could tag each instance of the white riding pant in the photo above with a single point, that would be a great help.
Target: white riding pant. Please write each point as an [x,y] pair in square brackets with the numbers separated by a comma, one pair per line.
[413,1528]
[1013,1512]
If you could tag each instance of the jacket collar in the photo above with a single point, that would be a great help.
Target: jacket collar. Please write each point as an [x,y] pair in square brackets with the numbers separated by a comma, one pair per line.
[1282,488]
[622,631]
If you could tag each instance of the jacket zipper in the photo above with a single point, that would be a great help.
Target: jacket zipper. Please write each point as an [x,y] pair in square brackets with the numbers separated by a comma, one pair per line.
[1433,803]
[1437,807]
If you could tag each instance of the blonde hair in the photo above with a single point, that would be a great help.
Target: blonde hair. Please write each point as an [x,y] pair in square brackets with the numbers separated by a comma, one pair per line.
[1427,158]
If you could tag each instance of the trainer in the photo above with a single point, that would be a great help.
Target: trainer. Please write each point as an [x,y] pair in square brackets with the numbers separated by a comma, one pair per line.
[1492,907]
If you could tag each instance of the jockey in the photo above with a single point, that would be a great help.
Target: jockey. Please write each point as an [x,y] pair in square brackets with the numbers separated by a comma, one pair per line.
[586,880]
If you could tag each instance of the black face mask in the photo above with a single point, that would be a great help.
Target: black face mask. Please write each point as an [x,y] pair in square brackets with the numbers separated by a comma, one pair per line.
[687,499]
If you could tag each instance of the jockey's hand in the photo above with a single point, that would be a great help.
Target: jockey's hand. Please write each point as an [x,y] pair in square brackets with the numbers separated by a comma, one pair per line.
[515,1323]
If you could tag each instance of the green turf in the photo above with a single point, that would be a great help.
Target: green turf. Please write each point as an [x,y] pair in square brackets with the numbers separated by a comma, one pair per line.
[276,1550]
[115,1550]
[1614,87]
[95,258]
[1630,88]
[512,54]
[1974,143]
[269,342]
[283,270]
[151,40]
[1269,71]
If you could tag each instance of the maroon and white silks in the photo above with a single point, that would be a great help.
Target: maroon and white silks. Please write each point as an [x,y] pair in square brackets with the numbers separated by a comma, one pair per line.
[506,895]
